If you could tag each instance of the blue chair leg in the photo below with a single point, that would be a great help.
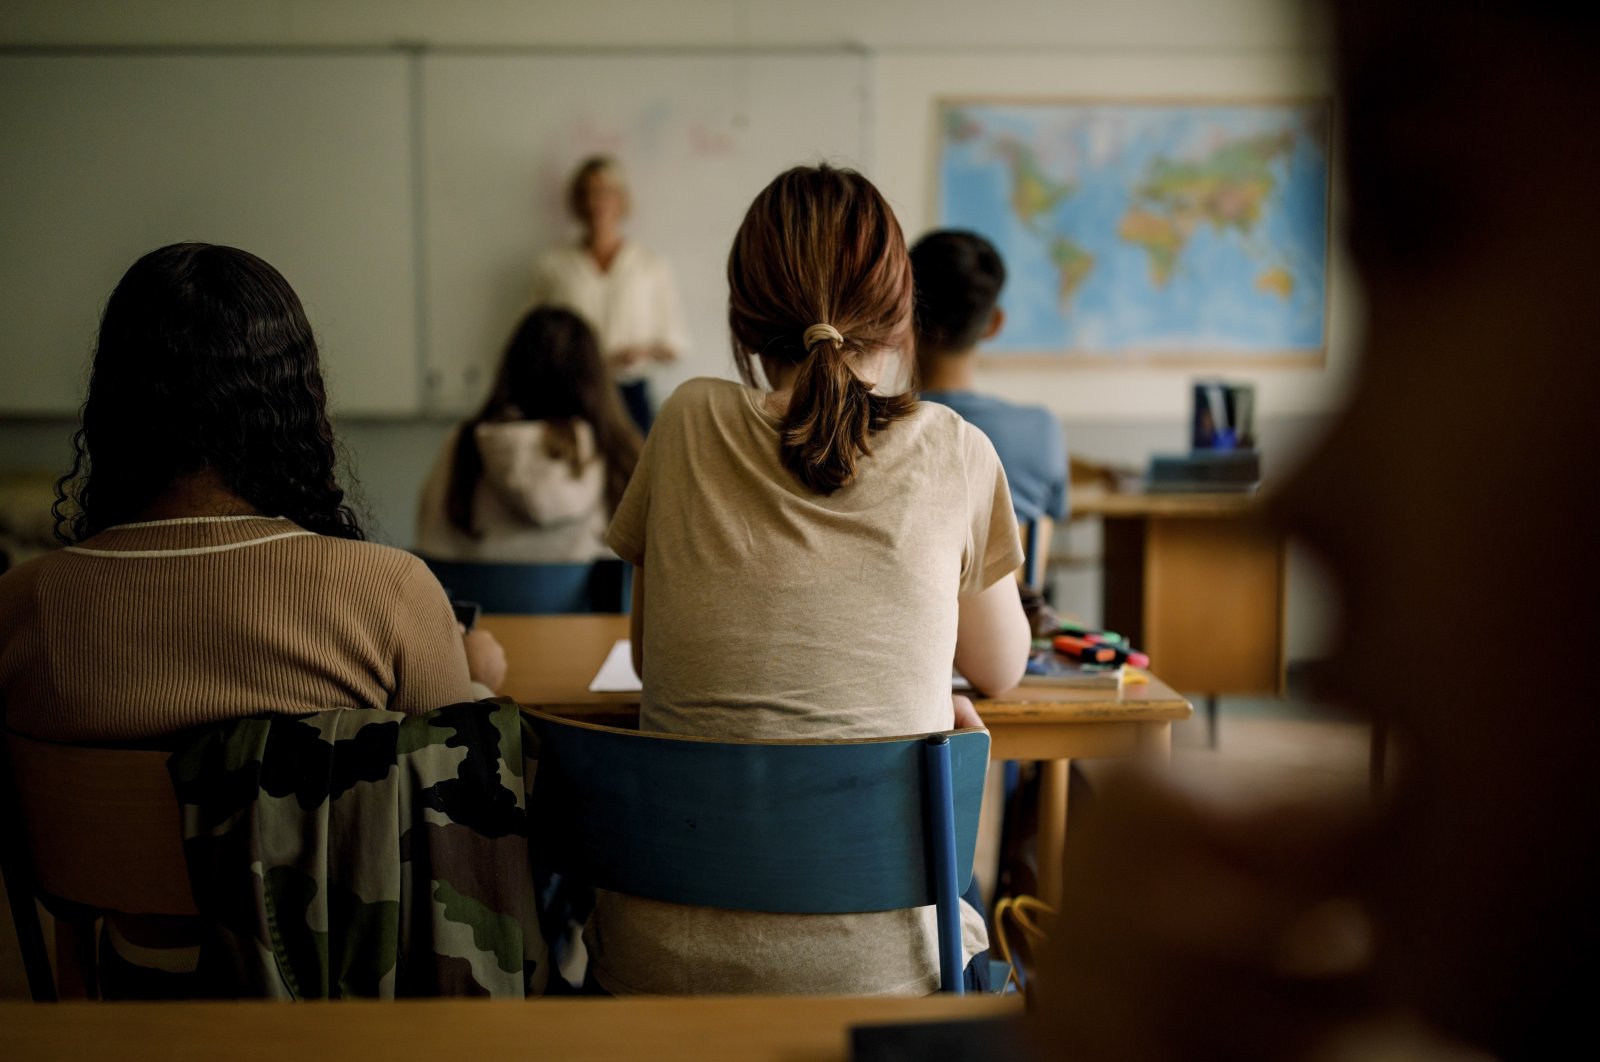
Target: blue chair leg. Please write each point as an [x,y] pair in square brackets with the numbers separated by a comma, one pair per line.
[942,822]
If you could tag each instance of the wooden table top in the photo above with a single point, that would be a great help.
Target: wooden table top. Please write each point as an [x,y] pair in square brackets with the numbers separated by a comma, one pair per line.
[552,659]
[595,1030]
[1097,501]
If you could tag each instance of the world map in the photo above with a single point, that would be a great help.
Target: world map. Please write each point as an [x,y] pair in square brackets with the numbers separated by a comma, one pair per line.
[1134,230]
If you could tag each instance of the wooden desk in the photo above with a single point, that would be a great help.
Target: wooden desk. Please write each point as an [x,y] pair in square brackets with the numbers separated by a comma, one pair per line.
[596,1030]
[1197,581]
[552,660]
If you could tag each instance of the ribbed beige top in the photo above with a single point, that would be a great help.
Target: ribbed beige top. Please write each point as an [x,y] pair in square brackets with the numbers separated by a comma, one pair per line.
[149,628]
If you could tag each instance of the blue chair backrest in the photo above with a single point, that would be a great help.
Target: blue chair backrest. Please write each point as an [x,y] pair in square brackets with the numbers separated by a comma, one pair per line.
[535,589]
[787,827]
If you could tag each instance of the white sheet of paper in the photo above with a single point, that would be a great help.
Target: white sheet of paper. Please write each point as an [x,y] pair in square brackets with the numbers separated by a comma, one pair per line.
[616,675]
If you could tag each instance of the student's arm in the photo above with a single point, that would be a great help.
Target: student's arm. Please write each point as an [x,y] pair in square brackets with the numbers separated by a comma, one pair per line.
[627,535]
[992,633]
[636,623]
[486,660]
[992,638]
[429,657]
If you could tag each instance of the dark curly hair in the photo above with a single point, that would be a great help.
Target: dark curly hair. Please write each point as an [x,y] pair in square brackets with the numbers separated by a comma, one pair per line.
[205,361]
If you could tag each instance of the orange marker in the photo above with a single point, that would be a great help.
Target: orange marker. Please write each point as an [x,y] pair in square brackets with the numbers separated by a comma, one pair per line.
[1086,651]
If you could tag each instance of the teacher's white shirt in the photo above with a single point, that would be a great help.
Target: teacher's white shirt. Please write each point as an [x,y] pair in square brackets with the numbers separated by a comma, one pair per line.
[633,302]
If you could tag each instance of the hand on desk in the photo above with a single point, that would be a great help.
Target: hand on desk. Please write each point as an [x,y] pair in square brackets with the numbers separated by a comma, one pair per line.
[486,658]
[966,714]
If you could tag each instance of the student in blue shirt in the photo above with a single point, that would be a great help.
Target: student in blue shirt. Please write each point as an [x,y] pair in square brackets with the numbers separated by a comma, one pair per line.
[958,276]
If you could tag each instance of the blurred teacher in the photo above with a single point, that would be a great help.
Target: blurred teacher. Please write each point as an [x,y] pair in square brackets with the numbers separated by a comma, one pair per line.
[624,290]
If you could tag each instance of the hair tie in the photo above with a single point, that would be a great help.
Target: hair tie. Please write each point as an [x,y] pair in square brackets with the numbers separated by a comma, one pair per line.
[818,332]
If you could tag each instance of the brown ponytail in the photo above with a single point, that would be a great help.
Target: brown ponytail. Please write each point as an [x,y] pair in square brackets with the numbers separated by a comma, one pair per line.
[820,247]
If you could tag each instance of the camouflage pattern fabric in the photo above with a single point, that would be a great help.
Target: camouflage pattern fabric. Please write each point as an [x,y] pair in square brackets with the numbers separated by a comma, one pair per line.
[363,853]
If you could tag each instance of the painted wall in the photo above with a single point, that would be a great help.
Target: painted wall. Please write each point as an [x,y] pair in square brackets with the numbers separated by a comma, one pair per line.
[886,25]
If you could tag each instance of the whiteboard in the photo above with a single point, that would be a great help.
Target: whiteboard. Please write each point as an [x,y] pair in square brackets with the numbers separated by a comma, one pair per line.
[304,160]
[699,135]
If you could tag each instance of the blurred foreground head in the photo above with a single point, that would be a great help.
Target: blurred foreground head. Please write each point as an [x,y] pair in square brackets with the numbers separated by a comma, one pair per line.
[1457,504]
[1458,498]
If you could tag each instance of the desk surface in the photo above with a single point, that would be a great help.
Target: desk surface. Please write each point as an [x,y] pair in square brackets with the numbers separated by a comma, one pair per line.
[597,1030]
[552,659]
[1101,502]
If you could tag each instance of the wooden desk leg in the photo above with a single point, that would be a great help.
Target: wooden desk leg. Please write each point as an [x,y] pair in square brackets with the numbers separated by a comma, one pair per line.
[1053,779]
[1155,741]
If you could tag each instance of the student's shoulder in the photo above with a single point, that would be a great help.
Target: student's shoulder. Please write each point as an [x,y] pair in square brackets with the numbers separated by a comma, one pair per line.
[1012,424]
[1041,417]
[937,417]
[1019,414]
[509,433]
[359,561]
[943,429]
[19,587]
[699,394]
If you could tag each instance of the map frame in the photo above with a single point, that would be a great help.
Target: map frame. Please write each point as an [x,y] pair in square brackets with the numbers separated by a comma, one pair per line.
[1198,359]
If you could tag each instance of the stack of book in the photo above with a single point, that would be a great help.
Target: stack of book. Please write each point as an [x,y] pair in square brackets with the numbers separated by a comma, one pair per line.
[1082,657]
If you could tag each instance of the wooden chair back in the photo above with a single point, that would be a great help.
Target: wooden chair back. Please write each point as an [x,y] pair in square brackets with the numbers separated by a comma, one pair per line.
[89,830]
[535,589]
[786,827]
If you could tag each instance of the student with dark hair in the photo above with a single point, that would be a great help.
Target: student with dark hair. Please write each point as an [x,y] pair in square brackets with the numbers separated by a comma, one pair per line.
[213,568]
[809,558]
[959,276]
[536,475]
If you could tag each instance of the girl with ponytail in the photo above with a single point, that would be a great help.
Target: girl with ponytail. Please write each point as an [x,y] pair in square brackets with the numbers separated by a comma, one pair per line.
[818,552]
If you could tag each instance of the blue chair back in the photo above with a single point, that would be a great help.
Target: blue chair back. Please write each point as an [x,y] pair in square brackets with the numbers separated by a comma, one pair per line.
[785,827]
[536,589]
[1035,550]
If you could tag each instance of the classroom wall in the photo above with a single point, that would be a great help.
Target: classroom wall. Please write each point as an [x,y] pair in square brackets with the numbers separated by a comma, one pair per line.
[884,25]
[916,50]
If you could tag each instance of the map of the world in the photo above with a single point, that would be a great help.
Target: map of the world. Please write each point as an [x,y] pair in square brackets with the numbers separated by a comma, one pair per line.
[1134,230]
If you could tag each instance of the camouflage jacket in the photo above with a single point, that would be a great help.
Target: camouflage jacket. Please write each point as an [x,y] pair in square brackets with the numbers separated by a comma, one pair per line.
[363,853]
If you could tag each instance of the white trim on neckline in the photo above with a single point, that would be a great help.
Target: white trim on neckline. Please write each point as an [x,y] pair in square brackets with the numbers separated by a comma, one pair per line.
[193,551]
[193,520]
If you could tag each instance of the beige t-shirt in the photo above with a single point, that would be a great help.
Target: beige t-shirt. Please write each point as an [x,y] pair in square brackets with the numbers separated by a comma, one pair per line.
[773,612]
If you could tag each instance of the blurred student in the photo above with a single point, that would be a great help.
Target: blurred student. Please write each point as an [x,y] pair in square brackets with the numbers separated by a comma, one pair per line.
[624,290]
[536,475]
[958,277]
[213,568]
[1455,918]
[809,560]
